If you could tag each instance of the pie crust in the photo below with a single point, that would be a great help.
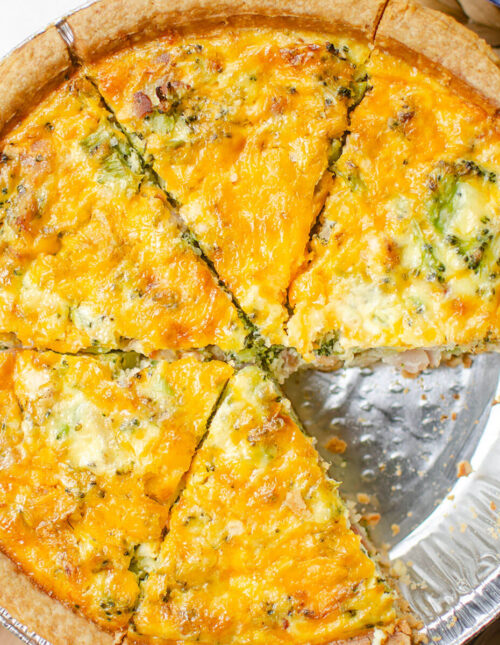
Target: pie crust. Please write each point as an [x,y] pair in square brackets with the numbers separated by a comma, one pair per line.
[110,24]
[29,72]
[431,38]
[424,36]
[44,615]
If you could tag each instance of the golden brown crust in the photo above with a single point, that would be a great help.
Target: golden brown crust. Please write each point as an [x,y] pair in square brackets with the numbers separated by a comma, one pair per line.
[108,25]
[43,614]
[431,38]
[29,72]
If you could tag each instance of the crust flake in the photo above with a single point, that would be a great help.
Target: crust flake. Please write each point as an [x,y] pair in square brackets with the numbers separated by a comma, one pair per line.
[431,39]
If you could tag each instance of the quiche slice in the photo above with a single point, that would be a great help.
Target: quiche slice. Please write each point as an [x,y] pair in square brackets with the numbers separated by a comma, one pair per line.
[90,255]
[260,548]
[93,451]
[239,123]
[406,260]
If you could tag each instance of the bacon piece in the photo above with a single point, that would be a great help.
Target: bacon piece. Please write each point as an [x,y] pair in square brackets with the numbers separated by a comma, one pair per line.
[296,56]
[142,105]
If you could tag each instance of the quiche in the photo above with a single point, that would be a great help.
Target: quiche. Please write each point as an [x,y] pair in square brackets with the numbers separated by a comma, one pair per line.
[94,450]
[197,198]
[91,258]
[260,548]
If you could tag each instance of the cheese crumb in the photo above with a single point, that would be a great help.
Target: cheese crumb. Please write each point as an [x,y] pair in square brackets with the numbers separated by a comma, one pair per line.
[235,527]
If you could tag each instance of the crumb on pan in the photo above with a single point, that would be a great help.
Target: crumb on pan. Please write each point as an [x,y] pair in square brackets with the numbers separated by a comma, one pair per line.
[336,445]
[363,498]
[464,469]
[395,529]
[371,519]
[399,570]
[408,374]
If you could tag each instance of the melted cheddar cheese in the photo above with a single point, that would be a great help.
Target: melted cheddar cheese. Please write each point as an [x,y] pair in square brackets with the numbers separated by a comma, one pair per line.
[90,255]
[408,251]
[259,548]
[239,125]
[92,455]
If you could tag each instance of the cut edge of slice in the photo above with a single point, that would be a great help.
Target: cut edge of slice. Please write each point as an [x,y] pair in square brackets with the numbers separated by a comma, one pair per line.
[410,362]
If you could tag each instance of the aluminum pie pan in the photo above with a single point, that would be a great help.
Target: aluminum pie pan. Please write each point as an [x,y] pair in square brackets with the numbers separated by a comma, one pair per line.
[406,438]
